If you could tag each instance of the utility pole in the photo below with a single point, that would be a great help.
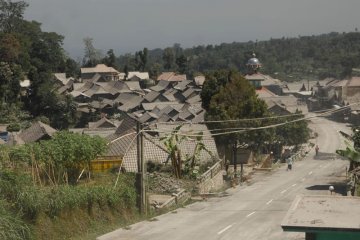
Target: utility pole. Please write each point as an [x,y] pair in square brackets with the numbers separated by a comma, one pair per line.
[140,176]
[235,158]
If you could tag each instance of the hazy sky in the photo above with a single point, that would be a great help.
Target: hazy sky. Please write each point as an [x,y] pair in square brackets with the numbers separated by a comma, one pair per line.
[131,25]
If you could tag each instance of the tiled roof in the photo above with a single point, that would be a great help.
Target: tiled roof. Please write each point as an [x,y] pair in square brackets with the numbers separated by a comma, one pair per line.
[132,103]
[62,78]
[151,96]
[36,132]
[182,85]
[125,97]
[264,93]
[200,117]
[133,85]
[161,86]
[170,94]
[148,117]
[102,123]
[128,124]
[100,68]
[354,82]
[190,92]
[194,99]
[165,76]
[171,77]
[119,145]
[287,102]
[187,146]
[96,78]
[186,115]
[141,75]
[255,76]
[161,105]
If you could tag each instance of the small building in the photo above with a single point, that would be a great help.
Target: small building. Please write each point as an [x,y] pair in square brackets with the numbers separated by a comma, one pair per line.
[324,217]
[108,73]
[36,132]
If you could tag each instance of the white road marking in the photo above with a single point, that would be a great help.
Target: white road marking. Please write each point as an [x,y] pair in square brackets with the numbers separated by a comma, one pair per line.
[303,179]
[220,232]
[250,214]
[293,185]
[269,202]
[283,191]
[310,173]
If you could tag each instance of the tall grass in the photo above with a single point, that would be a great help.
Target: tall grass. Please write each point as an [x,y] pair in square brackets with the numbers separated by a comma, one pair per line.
[12,227]
[30,200]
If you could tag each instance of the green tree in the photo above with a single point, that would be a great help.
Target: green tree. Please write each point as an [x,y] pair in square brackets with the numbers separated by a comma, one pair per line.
[110,59]
[11,13]
[214,81]
[168,58]
[235,101]
[294,132]
[10,47]
[181,62]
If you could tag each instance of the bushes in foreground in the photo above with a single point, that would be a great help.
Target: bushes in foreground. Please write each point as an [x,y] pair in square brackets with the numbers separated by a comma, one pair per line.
[30,200]
[25,202]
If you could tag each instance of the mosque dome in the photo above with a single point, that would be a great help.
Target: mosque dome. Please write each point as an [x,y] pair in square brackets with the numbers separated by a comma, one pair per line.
[253,64]
[253,61]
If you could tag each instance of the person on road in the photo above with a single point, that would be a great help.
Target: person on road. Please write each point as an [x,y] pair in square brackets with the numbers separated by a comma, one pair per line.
[289,163]
[316,150]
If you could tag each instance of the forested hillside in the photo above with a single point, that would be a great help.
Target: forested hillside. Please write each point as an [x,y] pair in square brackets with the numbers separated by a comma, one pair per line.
[27,52]
[291,59]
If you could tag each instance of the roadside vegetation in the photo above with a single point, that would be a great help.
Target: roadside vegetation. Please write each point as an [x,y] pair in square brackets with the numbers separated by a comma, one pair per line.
[43,197]
[352,154]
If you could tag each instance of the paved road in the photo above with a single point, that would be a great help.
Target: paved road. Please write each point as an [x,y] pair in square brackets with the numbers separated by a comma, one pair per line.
[255,211]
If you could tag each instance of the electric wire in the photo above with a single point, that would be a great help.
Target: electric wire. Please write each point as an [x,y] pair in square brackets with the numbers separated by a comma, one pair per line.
[323,113]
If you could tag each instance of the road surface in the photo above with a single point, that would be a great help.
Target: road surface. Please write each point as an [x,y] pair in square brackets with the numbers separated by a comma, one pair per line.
[252,212]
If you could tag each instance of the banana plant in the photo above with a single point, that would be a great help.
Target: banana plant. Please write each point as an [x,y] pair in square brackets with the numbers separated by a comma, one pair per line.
[172,143]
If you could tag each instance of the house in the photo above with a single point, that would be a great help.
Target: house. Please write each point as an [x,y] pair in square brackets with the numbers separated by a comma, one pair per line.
[154,149]
[36,132]
[283,105]
[61,79]
[171,77]
[103,123]
[108,73]
[102,128]
[138,76]
[324,217]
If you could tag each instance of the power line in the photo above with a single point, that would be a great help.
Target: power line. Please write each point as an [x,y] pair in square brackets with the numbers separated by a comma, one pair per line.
[323,113]
[254,119]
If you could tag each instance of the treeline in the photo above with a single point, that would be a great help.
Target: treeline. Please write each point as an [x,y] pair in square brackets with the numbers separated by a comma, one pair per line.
[27,52]
[291,59]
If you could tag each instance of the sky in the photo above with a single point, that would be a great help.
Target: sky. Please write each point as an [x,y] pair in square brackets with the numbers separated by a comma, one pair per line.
[130,25]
